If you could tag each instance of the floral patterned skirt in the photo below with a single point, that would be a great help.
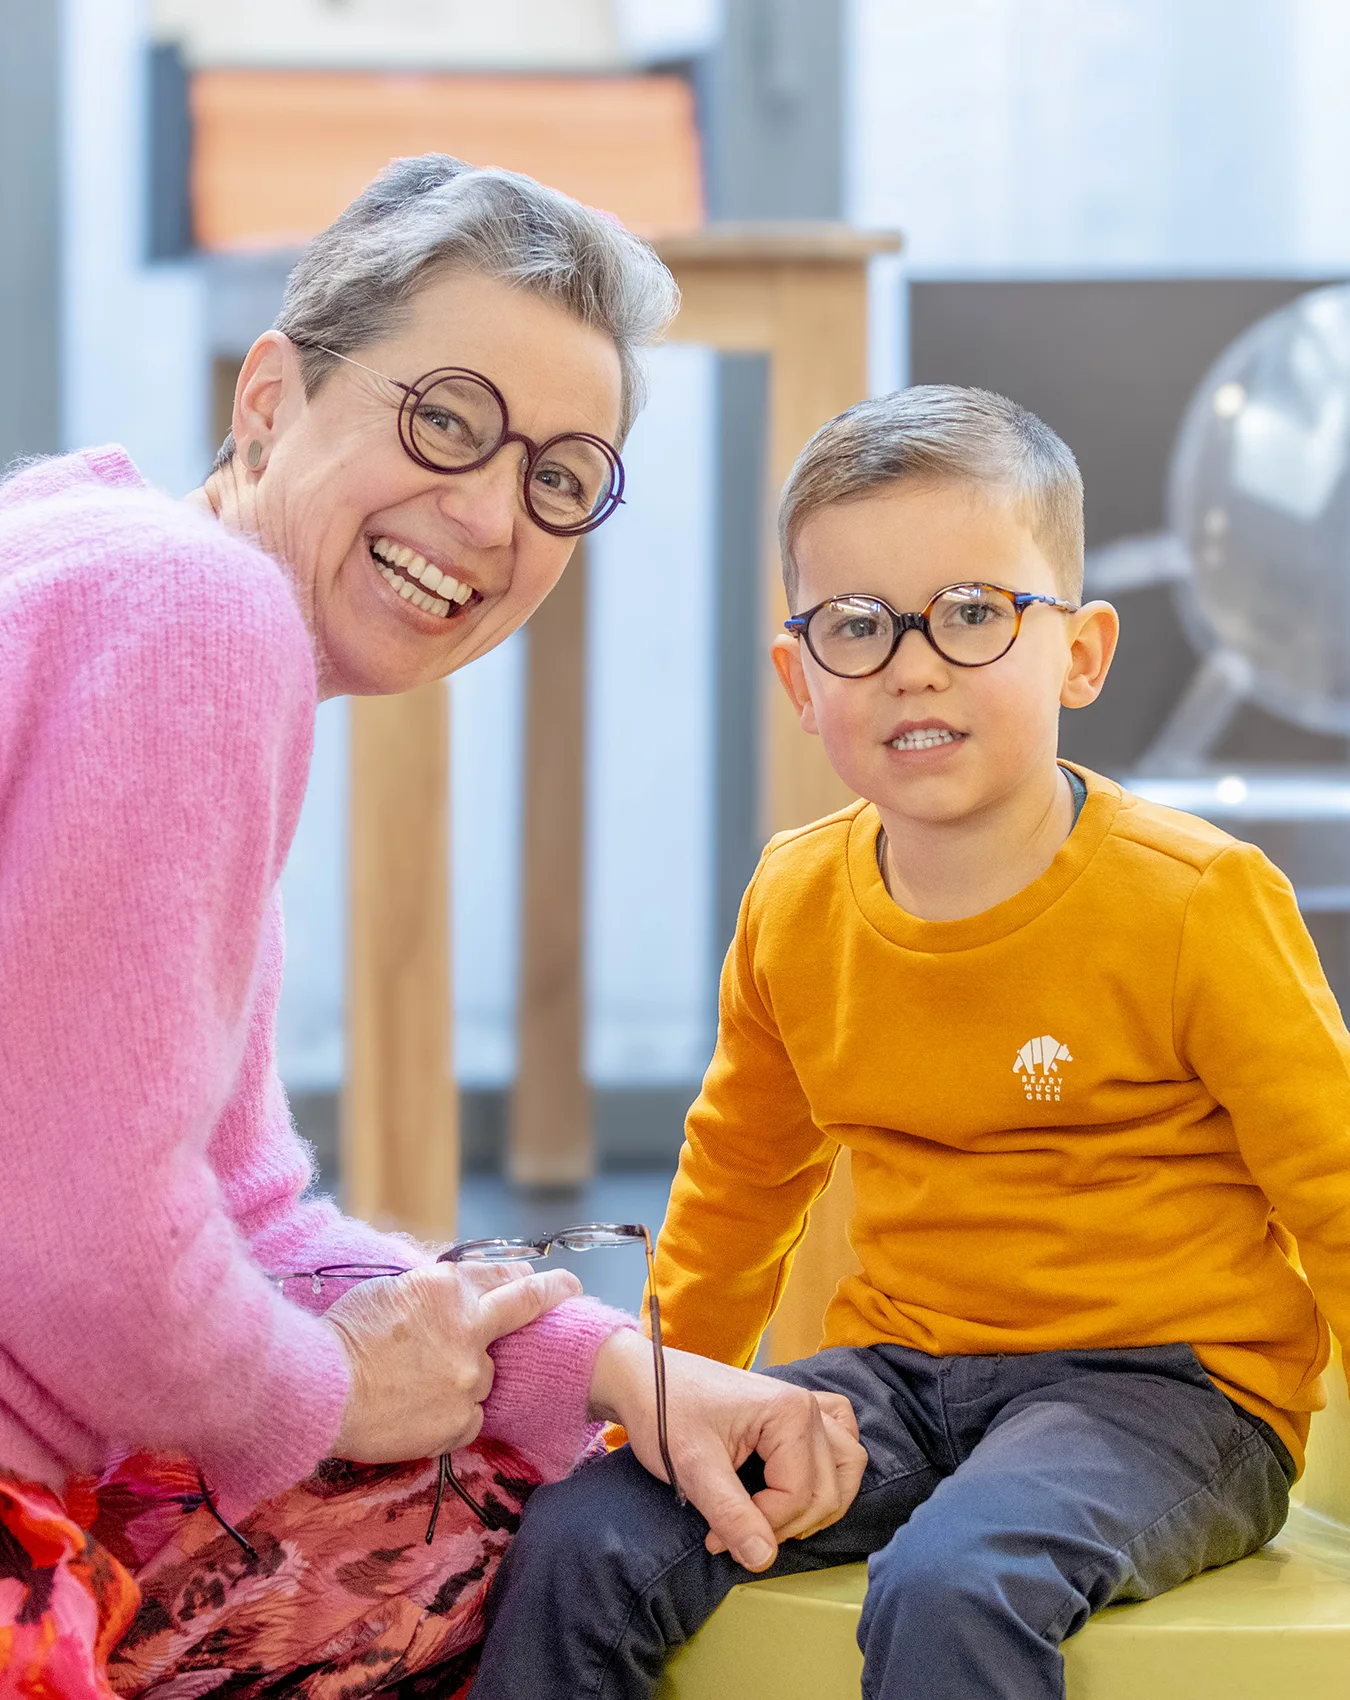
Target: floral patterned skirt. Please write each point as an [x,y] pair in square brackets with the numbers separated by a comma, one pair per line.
[344,1596]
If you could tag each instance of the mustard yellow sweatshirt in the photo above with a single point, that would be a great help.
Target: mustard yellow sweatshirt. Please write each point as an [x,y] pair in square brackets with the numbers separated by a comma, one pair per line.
[1099,1114]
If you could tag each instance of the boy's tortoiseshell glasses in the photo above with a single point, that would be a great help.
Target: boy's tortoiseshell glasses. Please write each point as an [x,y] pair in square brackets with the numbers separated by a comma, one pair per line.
[970,625]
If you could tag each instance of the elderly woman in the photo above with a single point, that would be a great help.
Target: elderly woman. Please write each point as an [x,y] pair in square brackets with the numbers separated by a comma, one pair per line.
[218,1458]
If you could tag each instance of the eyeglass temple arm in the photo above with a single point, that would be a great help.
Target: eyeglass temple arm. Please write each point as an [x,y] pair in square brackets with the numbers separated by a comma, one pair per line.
[319,348]
[659,1370]
[1024,598]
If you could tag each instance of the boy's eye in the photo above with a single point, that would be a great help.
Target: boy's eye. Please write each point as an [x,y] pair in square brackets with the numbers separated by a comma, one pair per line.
[857,627]
[970,612]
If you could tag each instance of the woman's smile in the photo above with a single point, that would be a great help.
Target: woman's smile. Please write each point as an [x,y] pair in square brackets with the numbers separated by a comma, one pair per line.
[416,580]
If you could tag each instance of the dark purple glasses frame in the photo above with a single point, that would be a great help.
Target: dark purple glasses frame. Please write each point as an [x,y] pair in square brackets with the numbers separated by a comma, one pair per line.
[413,395]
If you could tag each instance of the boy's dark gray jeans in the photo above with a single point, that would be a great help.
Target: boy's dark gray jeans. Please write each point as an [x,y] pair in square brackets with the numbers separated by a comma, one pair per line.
[1006,1499]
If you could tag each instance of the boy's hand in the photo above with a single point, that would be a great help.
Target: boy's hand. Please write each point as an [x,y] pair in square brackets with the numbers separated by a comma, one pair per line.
[718,1417]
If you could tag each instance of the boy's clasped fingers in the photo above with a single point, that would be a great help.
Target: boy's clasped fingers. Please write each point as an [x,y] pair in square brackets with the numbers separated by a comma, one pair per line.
[813,1464]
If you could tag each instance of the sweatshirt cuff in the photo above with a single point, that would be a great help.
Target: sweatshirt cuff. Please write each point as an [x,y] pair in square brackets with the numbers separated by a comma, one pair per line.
[543,1382]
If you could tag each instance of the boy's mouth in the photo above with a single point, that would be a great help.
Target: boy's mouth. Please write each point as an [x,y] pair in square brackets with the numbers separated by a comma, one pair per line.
[925,738]
[417,581]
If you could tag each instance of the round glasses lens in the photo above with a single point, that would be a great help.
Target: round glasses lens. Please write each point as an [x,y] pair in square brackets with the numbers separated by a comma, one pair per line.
[594,1239]
[973,623]
[573,482]
[851,636]
[455,422]
[493,1251]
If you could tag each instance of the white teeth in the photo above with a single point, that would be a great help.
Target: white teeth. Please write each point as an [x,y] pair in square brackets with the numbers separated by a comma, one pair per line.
[389,555]
[923,738]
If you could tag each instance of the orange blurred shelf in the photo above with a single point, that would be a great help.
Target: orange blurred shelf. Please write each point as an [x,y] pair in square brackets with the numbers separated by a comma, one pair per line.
[277,155]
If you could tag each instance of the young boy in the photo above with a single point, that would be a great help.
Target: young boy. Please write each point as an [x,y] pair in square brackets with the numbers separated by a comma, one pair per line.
[1093,1083]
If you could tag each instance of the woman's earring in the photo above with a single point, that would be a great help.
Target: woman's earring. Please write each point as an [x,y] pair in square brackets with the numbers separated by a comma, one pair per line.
[254,453]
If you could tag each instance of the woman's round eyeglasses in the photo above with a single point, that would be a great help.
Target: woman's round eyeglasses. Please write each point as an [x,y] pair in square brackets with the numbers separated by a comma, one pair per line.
[455,420]
[969,625]
[592,1236]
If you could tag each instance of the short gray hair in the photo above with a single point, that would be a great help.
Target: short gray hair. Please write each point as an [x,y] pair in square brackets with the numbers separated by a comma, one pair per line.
[940,433]
[425,216]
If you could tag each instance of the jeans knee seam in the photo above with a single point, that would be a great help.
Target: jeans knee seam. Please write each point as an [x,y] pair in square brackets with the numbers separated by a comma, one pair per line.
[1228,1464]
[890,1481]
[639,1595]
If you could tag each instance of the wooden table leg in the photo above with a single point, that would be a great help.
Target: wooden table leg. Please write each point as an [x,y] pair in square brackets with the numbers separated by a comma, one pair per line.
[400,1132]
[550,1137]
[819,368]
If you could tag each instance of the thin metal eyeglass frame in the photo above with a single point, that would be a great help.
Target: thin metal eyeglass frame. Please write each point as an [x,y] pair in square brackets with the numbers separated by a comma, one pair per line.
[413,393]
[799,625]
[331,1271]
[634,1233]
[445,1474]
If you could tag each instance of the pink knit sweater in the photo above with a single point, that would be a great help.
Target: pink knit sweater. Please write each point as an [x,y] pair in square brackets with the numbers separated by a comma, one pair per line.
[157,697]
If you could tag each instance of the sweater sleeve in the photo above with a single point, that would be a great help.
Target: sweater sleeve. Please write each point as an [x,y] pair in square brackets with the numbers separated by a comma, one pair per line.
[143,831]
[1258,1023]
[266,1170]
[752,1165]
[543,1381]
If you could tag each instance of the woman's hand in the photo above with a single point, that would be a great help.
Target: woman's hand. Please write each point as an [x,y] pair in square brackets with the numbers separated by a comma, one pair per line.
[717,1417]
[417,1347]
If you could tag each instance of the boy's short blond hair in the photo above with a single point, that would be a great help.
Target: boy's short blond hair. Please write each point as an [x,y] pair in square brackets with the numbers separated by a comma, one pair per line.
[939,433]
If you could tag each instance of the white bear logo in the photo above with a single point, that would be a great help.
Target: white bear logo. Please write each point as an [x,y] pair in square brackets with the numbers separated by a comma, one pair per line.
[1038,1063]
[1046,1053]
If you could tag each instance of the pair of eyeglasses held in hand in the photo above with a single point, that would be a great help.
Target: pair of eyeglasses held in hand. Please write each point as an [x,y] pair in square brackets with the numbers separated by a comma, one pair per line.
[591,1236]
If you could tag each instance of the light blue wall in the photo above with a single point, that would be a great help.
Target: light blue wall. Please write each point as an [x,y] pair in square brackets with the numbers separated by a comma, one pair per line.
[136,368]
[1052,136]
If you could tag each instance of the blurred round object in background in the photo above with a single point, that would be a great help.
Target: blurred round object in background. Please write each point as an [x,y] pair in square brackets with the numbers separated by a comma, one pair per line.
[1260,494]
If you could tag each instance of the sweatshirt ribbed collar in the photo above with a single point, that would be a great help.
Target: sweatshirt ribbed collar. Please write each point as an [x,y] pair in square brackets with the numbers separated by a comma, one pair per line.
[886,917]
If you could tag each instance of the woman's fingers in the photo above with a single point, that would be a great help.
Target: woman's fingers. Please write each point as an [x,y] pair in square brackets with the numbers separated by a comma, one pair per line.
[513,1305]
[839,1488]
[418,1354]
[483,1277]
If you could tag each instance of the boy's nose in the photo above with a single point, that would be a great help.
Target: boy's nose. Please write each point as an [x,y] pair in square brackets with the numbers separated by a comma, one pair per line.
[916,665]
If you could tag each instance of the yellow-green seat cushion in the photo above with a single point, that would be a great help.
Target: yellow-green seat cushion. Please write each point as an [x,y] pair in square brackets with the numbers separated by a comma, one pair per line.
[1274,1627]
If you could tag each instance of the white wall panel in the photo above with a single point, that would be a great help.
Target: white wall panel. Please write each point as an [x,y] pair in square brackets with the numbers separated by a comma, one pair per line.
[649,806]
[1048,136]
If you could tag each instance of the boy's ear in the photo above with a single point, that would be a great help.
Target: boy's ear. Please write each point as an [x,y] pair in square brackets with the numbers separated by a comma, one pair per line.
[1093,637]
[786,653]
